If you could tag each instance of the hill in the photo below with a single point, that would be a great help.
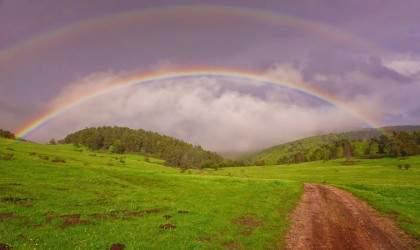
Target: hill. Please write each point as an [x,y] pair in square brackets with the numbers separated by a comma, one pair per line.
[363,143]
[175,152]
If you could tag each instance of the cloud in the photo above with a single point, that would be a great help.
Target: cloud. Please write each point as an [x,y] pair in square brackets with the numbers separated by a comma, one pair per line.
[199,110]
[404,64]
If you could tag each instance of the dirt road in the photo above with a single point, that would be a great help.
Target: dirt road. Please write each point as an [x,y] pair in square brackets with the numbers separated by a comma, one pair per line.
[330,218]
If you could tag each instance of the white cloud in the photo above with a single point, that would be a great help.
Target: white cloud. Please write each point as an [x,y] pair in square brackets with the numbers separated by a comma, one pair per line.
[406,65]
[198,110]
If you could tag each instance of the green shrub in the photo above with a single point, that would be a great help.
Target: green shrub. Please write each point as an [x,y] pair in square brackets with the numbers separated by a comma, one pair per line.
[407,166]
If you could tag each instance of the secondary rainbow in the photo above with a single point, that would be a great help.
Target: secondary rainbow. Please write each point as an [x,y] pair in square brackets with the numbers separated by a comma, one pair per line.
[48,115]
[84,28]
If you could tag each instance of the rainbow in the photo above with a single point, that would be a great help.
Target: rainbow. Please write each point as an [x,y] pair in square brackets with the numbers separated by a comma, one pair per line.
[79,30]
[129,81]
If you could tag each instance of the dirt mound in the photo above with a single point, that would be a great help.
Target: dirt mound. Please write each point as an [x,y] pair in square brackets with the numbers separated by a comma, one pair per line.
[330,218]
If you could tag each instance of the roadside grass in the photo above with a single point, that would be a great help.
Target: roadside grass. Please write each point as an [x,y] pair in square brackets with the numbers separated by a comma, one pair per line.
[380,182]
[83,203]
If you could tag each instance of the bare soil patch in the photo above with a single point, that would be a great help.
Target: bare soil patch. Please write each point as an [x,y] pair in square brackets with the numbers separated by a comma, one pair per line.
[117,247]
[230,245]
[9,217]
[167,226]
[72,219]
[167,217]
[330,218]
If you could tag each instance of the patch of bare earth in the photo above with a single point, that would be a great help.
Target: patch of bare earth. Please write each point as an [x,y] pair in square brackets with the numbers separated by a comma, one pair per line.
[72,219]
[249,222]
[167,226]
[10,217]
[330,218]
[117,247]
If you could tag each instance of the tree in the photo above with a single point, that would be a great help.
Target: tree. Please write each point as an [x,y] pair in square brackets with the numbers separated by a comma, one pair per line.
[52,141]
[118,147]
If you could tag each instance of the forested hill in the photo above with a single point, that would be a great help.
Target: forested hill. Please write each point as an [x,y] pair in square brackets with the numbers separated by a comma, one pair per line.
[175,152]
[363,143]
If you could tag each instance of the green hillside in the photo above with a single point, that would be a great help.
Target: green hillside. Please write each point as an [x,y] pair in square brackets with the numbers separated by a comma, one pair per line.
[310,145]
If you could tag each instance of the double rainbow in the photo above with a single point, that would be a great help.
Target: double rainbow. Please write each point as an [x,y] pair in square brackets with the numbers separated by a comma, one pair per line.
[43,41]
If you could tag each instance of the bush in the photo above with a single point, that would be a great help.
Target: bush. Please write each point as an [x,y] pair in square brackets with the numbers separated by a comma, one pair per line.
[58,159]
[8,156]
[32,153]
[407,166]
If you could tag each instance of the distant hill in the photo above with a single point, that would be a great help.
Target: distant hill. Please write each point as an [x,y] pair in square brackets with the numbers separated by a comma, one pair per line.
[311,144]
[175,152]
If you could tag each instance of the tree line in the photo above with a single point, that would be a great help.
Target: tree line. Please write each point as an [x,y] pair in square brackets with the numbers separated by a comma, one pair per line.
[175,152]
[395,144]
[6,134]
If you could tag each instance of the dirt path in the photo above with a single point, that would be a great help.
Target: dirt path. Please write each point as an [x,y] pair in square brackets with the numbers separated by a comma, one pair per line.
[330,218]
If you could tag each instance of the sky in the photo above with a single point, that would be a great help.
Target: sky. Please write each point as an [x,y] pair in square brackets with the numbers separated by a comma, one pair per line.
[363,56]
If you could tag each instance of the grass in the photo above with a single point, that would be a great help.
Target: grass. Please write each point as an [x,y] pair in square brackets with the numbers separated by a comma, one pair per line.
[380,182]
[84,203]
[91,200]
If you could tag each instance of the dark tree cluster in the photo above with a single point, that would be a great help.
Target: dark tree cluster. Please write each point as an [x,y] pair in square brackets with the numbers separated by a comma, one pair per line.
[6,134]
[395,144]
[175,152]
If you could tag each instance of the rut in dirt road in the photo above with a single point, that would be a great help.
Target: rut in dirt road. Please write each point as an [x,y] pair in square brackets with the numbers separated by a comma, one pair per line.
[330,218]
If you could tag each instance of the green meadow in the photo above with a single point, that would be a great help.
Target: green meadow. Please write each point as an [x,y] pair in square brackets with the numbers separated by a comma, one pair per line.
[67,197]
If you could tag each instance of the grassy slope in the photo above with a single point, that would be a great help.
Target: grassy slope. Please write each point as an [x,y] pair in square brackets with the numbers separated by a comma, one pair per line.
[38,192]
[36,189]
[379,182]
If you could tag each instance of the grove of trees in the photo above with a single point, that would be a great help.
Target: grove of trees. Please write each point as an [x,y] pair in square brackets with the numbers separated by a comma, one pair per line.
[395,144]
[118,140]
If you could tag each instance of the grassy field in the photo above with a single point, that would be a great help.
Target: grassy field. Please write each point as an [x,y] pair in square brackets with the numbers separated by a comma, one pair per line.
[380,182]
[93,200]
